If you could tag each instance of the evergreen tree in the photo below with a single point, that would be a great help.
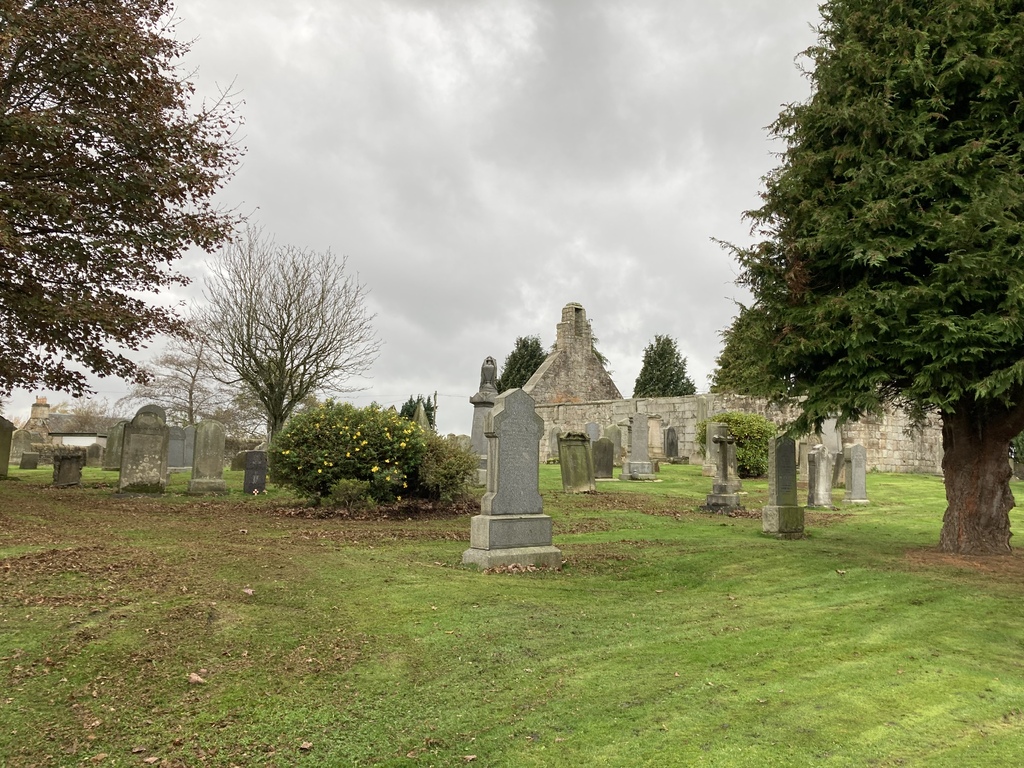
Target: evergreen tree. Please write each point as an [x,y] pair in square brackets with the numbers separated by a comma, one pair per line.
[891,257]
[408,409]
[522,362]
[741,368]
[663,373]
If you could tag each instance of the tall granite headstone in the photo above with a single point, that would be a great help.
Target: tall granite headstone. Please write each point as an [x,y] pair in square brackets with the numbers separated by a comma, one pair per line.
[144,453]
[176,447]
[255,479]
[576,461]
[638,464]
[604,459]
[208,459]
[783,517]
[512,527]
[856,474]
[6,439]
[671,443]
[115,442]
[819,476]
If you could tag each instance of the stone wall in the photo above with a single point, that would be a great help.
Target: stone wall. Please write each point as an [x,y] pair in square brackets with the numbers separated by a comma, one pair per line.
[892,445]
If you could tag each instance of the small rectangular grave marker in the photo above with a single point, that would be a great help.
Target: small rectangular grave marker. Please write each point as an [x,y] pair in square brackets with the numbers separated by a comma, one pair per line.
[782,517]
[255,478]
[856,474]
[576,461]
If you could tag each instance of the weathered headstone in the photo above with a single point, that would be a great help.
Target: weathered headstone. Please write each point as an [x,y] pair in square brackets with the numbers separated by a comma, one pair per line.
[21,441]
[144,453]
[6,438]
[576,461]
[655,438]
[29,460]
[159,410]
[838,467]
[638,465]
[208,459]
[176,447]
[94,455]
[783,517]
[553,436]
[115,442]
[238,462]
[190,445]
[856,474]
[68,461]
[593,431]
[604,458]
[613,433]
[723,496]
[512,527]
[819,477]
[255,479]
[671,443]
[710,466]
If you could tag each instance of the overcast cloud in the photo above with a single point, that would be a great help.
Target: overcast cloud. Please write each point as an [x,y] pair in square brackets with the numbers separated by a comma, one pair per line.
[483,163]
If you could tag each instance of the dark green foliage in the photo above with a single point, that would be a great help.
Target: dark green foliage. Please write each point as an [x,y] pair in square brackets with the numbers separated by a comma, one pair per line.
[522,362]
[408,409]
[446,469]
[108,172]
[351,495]
[335,441]
[663,373]
[891,261]
[742,367]
[752,432]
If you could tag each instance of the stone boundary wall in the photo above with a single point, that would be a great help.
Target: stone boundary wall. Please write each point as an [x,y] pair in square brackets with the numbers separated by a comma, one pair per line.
[892,445]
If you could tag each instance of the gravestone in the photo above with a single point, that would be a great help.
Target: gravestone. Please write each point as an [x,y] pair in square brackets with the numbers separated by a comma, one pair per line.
[576,461]
[655,438]
[593,431]
[176,447]
[613,433]
[723,497]
[838,467]
[482,402]
[238,462]
[783,517]
[208,459]
[68,461]
[552,443]
[144,453]
[638,465]
[190,446]
[710,466]
[604,459]
[94,455]
[819,477]
[6,439]
[856,474]
[671,444]
[159,410]
[512,527]
[29,460]
[255,479]
[21,441]
[115,442]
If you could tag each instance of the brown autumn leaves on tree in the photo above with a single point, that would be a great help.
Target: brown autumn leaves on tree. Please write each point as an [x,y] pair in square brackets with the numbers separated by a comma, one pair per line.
[107,172]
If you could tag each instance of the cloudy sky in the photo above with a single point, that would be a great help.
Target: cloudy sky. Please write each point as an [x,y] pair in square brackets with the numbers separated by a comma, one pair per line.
[482,163]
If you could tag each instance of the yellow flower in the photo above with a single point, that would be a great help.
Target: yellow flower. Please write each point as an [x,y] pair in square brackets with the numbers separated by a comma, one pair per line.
[374,469]
[349,455]
[285,453]
[319,471]
[400,445]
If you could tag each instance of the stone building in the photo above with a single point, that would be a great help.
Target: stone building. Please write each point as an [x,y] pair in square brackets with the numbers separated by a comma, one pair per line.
[572,373]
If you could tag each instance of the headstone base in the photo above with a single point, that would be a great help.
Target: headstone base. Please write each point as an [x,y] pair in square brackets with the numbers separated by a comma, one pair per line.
[200,487]
[708,470]
[540,557]
[721,503]
[509,531]
[637,470]
[848,500]
[783,522]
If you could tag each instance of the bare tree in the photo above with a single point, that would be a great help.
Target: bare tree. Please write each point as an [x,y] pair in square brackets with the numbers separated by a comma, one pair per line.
[286,322]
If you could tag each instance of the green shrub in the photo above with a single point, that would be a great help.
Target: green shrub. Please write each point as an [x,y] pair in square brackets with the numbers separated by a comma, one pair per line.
[334,441]
[752,432]
[352,495]
[446,470]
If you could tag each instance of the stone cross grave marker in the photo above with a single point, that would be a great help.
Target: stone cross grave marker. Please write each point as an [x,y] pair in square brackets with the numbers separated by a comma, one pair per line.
[604,458]
[819,476]
[856,474]
[144,453]
[783,517]
[710,466]
[512,528]
[723,496]
[208,459]
[576,461]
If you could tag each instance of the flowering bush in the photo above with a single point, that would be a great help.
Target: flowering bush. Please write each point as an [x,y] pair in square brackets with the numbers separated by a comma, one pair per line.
[446,469]
[337,441]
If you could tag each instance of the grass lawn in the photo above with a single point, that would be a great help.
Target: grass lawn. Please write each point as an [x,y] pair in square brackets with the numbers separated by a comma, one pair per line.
[176,631]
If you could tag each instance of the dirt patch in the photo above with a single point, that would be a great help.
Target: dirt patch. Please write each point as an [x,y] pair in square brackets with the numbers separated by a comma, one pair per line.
[416,509]
[1011,565]
[811,519]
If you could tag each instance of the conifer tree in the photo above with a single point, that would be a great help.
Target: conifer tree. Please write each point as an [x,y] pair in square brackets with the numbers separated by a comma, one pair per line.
[663,373]
[522,362]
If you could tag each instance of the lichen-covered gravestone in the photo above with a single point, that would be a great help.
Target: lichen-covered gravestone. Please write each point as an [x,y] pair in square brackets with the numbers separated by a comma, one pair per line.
[638,466]
[783,517]
[68,461]
[819,477]
[255,479]
[613,433]
[115,442]
[208,459]
[576,461]
[512,527]
[604,459]
[6,438]
[856,474]
[144,453]
[29,460]
[21,441]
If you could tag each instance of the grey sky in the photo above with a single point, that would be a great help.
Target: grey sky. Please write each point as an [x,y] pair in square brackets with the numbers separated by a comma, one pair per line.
[484,163]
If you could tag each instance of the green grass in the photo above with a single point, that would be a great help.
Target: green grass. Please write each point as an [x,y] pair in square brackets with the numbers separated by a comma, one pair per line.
[670,637]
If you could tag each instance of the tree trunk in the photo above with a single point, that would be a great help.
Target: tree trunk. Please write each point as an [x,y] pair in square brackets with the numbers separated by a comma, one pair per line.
[976,468]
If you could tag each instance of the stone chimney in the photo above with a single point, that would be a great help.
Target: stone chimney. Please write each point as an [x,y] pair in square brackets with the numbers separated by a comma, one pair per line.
[40,410]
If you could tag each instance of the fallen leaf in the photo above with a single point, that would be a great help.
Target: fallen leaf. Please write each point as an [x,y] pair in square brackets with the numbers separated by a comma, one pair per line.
[248,591]
[469,758]
[100,757]
[841,573]
[306,746]
[138,750]
[195,679]
[151,760]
